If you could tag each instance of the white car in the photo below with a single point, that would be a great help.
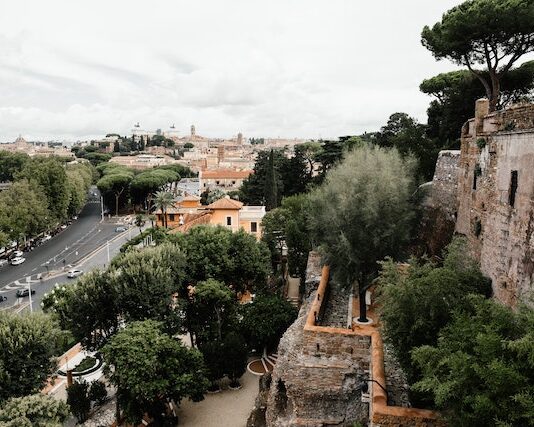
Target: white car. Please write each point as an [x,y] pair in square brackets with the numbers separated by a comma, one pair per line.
[18,260]
[74,273]
[45,238]
[16,254]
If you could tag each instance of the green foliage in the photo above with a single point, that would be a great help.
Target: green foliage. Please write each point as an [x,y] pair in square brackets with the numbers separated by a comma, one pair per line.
[234,357]
[266,319]
[289,177]
[145,281]
[271,184]
[23,210]
[27,345]
[209,196]
[158,236]
[481,370]
[408,137]
[114,183]
[362,213]
[11,164]
[291,219]
[78,400]
[163,200]
[98,392]
[88,309]
[417,303]
[36,410]
[210,310]
[50,175]
[236,259]
[149,366]
[491,32]
[212,352]
[151,181]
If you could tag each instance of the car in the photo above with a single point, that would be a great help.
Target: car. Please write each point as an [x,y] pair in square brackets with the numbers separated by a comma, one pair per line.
[3,298]
[45,238]
[18,260]
[21,293]
[75,217]
[16,254]
[120,229]
[63,226]
[74,273]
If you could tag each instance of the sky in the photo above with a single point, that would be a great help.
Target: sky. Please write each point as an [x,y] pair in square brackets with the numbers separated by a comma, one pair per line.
[73,70]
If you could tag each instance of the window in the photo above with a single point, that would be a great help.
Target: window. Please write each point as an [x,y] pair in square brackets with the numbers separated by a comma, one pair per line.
[233,182]
[228,220]
[171,217]
[217,182]
[253,227]
[513,188]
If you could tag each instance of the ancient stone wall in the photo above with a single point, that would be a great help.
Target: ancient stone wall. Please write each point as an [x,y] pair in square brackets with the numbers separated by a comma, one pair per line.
[496,198]
[445,182]
[316,378]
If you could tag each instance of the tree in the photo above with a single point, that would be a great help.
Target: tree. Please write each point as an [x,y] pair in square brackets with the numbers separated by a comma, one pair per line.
[27,345]
[235,355]
[271,186]
[150,367]
[115,184]
[140,221]
[213,355]
[456,93]
[362,213]
[78,400]
[408,137]
[489,32]
[209,196]
[163,200]
[151,181]
[23,210]
[266,320]
[98,392]
[417,303]
[481,370]
[36,410]
[212,308]
[88,309]
[253,189]
[289,222]
[309,151]
[146,280]
[236,259]
[50,175]
[11,164]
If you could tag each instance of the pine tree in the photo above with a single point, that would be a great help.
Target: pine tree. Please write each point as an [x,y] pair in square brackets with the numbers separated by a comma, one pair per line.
[271,186]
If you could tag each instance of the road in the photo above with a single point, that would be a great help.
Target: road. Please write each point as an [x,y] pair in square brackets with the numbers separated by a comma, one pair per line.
[83,244]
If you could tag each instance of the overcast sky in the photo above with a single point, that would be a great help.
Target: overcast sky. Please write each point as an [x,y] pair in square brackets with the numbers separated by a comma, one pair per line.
[79,69]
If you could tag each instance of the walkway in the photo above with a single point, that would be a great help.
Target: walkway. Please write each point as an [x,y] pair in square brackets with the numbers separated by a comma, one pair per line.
[229,408]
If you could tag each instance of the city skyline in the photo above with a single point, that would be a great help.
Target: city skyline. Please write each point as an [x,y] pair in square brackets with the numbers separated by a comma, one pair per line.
[77,71]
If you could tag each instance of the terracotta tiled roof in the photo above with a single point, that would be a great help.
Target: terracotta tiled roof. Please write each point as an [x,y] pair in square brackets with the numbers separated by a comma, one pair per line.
[191,220]
[225,203]
[225,174]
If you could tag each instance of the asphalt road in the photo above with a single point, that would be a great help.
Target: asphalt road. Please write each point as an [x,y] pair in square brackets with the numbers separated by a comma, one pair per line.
[82,244]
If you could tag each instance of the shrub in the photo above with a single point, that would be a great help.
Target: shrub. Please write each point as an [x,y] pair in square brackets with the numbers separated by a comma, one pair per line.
[98,392]
[79,401]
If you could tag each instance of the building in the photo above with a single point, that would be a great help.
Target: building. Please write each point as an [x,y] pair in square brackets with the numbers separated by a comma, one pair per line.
[188,186]
[187,212]
[222,179]
[143,161]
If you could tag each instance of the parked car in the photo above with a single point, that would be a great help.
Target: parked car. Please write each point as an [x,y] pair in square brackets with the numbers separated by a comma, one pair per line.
[16,254]
[45,238]
[75,217]
[3,298]
[74,273]
[63,226]
[120,229]
[21,293]
[17,260]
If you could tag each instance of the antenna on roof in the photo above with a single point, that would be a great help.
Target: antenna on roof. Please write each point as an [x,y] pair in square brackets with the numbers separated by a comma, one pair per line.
[172,127]
[136,125]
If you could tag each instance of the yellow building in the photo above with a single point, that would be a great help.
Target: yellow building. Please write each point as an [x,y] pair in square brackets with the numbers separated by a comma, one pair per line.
[226,212]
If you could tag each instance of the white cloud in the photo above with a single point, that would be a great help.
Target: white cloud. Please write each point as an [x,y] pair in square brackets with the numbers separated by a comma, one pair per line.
[289,68]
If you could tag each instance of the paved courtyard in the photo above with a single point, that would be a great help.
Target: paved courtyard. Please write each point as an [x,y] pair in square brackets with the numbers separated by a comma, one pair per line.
[229,408]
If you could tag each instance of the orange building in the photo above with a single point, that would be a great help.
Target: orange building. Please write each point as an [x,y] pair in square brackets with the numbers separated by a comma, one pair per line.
[188,212]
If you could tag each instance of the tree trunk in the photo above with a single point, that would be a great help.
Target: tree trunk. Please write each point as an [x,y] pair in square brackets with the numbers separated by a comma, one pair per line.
[495,92]
[117,195]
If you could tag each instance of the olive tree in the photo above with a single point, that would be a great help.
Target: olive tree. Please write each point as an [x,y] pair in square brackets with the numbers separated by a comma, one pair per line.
[363,213]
